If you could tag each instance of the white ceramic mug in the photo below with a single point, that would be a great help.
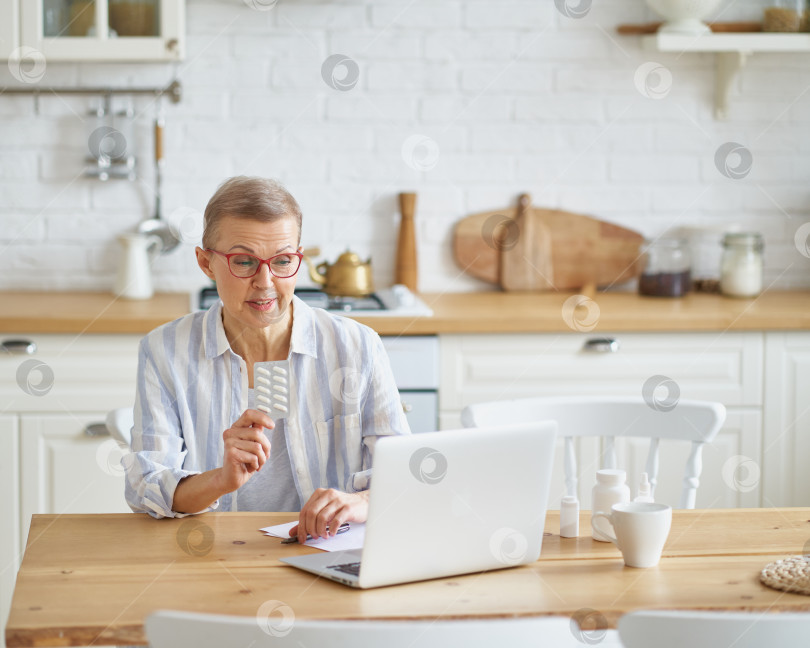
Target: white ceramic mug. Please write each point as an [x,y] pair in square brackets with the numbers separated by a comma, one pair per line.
[641,530]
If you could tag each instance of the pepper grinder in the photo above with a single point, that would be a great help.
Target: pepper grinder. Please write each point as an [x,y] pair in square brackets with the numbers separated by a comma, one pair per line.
[406,268]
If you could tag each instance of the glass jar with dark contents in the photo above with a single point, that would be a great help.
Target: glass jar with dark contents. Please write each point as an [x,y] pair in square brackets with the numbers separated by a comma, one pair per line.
[667,268]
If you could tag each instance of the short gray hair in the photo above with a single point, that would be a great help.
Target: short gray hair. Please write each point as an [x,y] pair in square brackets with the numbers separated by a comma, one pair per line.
[253,198]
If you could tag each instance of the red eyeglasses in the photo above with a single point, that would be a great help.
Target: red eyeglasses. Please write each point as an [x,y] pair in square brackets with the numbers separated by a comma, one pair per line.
[244,265]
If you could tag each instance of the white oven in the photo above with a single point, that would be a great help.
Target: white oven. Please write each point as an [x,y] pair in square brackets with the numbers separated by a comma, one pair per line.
[415,364]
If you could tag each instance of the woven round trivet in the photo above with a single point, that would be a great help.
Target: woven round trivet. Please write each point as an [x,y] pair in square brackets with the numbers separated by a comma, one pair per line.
[790,575]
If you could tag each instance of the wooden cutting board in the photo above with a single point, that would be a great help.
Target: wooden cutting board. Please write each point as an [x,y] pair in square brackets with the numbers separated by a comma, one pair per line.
[525,248]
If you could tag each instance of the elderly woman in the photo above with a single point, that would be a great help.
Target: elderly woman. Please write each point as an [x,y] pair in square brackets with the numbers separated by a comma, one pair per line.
[199,443]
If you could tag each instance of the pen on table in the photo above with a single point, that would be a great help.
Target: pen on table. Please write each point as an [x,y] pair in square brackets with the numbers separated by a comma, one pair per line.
[341,529]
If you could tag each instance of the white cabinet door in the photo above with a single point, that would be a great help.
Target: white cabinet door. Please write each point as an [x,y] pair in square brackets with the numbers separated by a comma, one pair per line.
[74,36]
[726,368]
[9,515]
[705,366]
[787,419]
[9,27]
[68,373]
[66,470]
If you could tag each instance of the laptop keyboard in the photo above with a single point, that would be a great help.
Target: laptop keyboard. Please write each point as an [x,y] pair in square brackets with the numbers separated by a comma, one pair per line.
[352,568]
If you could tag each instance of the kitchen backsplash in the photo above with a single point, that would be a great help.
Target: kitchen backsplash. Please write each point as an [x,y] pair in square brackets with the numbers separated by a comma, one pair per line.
[467,103]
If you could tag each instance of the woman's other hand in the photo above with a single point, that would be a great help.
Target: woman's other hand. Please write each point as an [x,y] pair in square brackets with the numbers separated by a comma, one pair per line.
[247,448]
[328,507]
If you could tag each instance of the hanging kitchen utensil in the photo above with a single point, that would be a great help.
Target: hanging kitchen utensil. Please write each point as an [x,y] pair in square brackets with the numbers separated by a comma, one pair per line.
[528,248]
[157,225]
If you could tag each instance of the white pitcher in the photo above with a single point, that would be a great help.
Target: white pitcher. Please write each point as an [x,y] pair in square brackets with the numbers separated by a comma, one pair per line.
[134,278]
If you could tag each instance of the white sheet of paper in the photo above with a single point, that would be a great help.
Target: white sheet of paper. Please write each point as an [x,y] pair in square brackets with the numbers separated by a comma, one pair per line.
[351,539]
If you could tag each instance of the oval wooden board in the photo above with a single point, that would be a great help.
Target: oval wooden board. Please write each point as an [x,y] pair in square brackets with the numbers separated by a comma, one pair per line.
[584,250]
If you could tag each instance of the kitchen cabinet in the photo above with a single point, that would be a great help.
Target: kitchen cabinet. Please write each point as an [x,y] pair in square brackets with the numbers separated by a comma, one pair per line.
[66,30]
[703,366]
[55,389]
[9,31]
[57,397]
[414,363]
[69,464]
[10,554]
[787,419]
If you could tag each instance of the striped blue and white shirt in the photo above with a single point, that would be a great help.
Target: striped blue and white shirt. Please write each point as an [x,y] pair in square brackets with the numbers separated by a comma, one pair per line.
[192,387]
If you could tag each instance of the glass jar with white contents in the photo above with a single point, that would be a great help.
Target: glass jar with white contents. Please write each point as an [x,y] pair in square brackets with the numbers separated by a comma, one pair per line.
[742,265]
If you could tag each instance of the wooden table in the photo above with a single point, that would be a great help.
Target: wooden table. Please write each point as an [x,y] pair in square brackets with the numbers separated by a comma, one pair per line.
[92,579]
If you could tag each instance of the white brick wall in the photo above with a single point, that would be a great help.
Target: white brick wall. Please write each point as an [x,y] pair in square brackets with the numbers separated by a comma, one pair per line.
[515,96]
[420,15]
[515,15]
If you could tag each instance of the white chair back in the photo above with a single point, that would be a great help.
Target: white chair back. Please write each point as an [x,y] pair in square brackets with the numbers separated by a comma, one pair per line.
[119,423]
[676,629]
[610,416]
[277,627]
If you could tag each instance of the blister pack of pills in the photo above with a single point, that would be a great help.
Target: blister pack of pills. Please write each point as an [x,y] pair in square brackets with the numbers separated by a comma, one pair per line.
[271,381]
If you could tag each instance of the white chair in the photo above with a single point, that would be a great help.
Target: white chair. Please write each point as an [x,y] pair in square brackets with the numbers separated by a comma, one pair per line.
[609,417]
[119,423]
[280,629]
[676,629]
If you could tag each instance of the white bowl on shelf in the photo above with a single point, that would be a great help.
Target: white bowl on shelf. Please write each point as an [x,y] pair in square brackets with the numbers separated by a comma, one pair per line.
[684,16]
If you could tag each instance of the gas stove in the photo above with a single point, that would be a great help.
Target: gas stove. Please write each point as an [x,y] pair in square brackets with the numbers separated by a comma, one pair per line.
[397,301]
[319,299]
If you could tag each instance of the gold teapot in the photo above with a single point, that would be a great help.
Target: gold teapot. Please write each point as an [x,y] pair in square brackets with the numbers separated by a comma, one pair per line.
[346,277]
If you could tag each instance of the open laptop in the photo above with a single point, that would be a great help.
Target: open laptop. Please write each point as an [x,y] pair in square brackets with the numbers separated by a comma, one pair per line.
[447,503]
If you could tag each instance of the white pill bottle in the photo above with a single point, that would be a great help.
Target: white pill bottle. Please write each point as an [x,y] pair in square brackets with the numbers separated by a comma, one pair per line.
[611,488]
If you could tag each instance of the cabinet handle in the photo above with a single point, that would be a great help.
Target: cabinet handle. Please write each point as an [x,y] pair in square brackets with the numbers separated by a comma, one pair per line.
[601,345]
[96,430]
[18,347]
[407,407]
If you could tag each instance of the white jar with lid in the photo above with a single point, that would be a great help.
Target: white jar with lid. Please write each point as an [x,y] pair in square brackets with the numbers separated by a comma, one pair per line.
[741,273]
[611,488]
[706,248]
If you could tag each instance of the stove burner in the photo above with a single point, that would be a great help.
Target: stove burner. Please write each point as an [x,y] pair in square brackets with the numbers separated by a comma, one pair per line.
[319,299]
[315,298]
[396,300]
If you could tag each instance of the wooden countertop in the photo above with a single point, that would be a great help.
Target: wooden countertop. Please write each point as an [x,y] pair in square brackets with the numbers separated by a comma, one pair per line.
[485,312]
[93,579]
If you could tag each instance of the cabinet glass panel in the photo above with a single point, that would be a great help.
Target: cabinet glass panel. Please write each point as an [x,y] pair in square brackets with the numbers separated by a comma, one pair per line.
[68,18]
[77,18]
[134,18]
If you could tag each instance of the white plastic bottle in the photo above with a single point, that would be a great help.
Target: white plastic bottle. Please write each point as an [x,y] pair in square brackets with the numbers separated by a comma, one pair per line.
[610,489]
[569,517]
[644,490]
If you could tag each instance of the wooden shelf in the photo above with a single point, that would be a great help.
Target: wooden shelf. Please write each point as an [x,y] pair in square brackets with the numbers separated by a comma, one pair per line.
[731,52]
[748,43]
